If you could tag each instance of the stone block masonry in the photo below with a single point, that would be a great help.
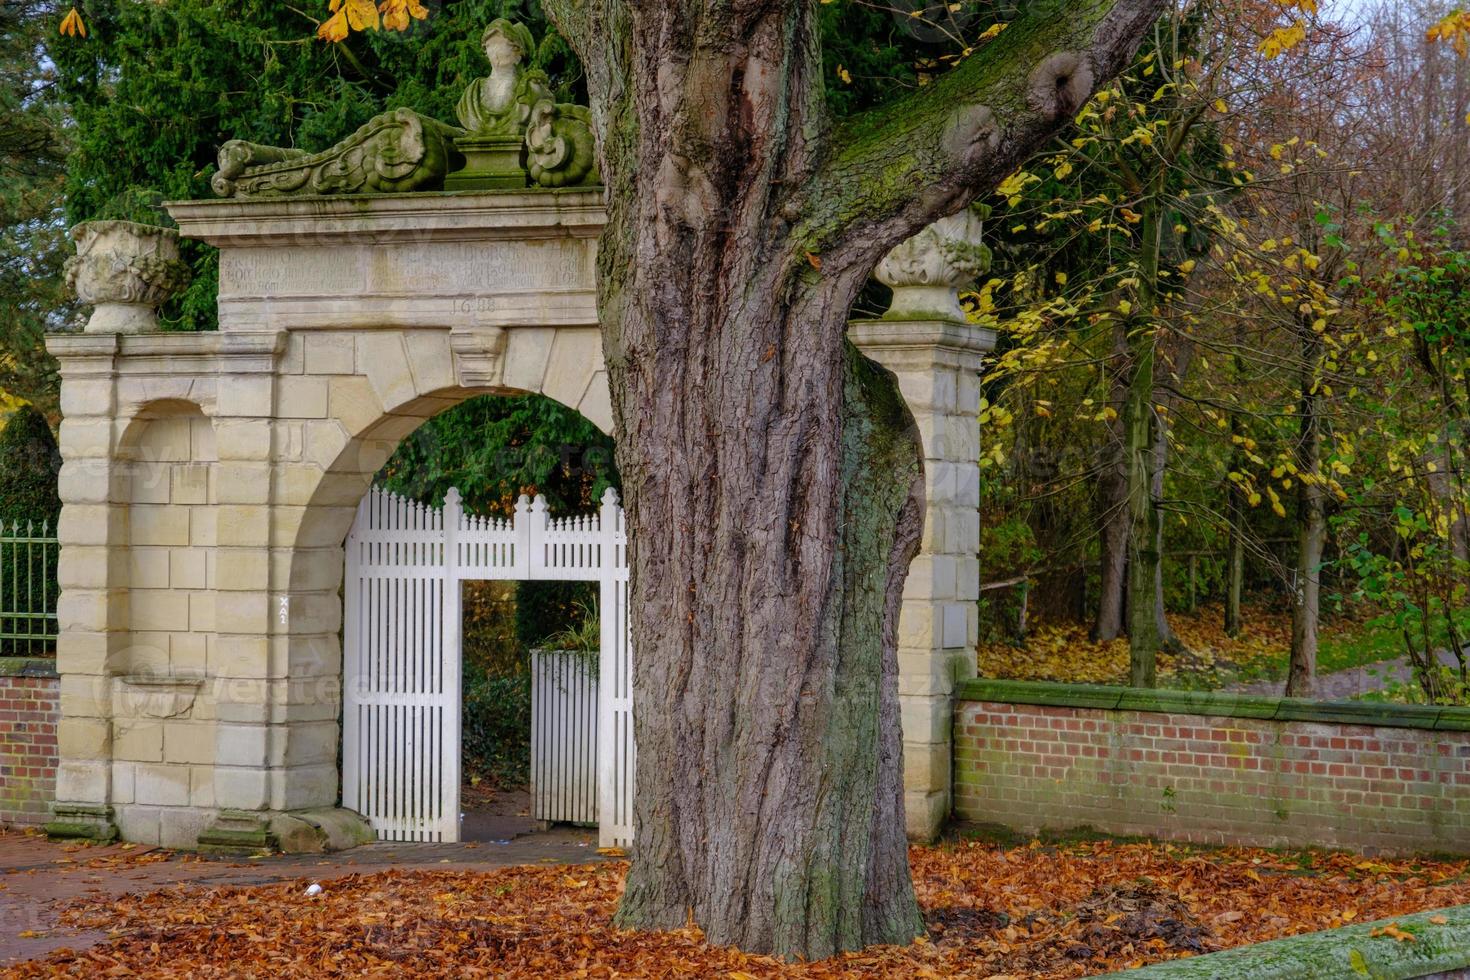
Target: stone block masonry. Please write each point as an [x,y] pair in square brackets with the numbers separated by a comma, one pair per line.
[30,706]
[209,480]
[1212,768]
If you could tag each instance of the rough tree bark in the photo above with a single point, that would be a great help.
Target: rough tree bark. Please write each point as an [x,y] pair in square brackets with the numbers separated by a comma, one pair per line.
[771,475]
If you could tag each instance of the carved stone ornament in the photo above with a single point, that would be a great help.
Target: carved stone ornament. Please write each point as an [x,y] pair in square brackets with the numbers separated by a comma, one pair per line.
[560,150]
[927,271]
[126,271]
[393,152]
[515,134]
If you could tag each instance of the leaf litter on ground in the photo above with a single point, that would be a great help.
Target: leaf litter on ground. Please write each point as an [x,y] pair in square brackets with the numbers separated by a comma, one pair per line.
[1035,911]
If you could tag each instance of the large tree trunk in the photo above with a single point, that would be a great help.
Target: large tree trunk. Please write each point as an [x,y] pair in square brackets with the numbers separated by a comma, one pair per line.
[1301,678]
[772,476]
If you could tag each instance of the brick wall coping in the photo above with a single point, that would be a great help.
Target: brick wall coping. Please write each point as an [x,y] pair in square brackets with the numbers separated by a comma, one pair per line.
[27,667]
[1440,948]
[1216,703]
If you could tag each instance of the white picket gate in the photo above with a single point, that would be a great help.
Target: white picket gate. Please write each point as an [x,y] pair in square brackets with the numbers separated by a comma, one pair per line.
[402,659]
[563,737]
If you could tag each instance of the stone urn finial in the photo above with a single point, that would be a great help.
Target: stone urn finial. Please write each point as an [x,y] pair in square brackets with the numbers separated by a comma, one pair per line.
[126,271]
[927,271]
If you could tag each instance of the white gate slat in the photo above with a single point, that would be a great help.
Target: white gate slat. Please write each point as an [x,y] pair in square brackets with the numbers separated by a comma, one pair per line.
[563,719]
[450,671]
[615,696]
[402,645]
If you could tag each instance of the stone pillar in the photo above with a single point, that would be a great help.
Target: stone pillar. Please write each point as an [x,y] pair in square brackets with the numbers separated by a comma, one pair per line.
[241,659]
[88,612]
[937,363]
[936,354]
[277,679]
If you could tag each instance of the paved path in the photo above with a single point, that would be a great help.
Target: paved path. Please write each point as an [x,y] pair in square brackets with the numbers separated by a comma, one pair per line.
[38,876]
[1343,685]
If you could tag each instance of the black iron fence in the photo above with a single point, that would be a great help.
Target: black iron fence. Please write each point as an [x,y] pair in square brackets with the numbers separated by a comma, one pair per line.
[28,589]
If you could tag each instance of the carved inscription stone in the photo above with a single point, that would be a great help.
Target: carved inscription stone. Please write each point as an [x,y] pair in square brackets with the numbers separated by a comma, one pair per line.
[406,269]
[300,270]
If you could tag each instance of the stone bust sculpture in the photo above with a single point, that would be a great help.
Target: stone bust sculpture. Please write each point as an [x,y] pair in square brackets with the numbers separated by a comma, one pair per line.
[500,104]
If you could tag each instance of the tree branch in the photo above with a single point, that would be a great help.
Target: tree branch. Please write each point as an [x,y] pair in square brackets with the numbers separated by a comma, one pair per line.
[572,20]
[897,168]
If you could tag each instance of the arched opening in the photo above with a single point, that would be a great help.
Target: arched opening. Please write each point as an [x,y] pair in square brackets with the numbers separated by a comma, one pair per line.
[493,446]
[494,450]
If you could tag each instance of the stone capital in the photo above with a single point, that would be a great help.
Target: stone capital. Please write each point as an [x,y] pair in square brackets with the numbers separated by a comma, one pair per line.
[913,344]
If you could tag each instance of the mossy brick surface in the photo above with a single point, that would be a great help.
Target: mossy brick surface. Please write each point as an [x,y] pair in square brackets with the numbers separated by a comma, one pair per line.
[1212,768]
[1216,703]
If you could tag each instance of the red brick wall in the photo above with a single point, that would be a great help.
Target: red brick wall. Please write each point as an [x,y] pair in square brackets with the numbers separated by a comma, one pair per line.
[1212,779]
[29,710]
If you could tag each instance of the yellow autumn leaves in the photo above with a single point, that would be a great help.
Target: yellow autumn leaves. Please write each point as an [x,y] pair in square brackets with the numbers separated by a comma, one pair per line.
[347,16]
[363,15]
[72,26]
[1283,39]
[1454,30]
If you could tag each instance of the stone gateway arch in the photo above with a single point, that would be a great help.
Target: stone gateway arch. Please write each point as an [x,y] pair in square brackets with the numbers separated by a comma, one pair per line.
[209,479]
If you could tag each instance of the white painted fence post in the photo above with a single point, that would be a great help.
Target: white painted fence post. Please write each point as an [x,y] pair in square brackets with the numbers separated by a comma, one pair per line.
[536,522]
[521,528]
[352,641]
[615,753]
[451,622]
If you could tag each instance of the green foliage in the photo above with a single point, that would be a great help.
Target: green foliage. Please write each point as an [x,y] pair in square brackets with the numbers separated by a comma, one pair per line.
[545,609]
[488,639]
[496,726]
[29,463]
[495,449]
[867,52]
[1407,531]
[584,638]
[1007,547]
[33,245]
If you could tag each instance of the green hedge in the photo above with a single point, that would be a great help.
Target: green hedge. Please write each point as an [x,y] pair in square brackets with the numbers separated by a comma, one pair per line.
[1215,703]
[496,727]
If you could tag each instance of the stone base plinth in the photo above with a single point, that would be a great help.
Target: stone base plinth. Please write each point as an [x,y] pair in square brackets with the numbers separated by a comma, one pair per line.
[122,318]
[490,164]
[313,831]
[82,821]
